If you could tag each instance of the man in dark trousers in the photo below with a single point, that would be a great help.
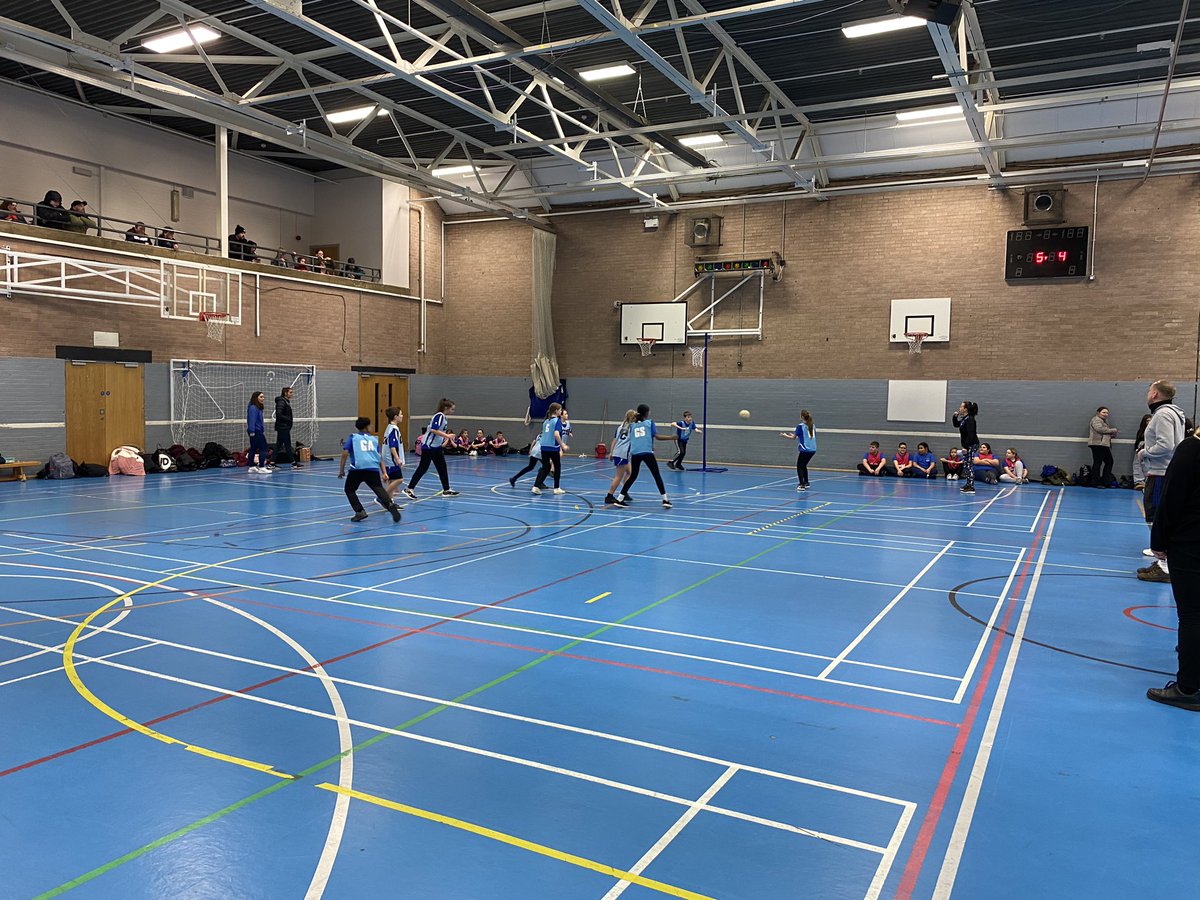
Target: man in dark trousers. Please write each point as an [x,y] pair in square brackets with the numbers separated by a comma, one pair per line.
[1175,536]
[283,430]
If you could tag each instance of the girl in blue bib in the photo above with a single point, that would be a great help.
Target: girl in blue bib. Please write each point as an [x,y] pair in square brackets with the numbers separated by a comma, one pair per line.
[642,436]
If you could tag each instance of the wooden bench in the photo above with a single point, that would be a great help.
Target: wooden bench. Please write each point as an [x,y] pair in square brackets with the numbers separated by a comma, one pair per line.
[16,469]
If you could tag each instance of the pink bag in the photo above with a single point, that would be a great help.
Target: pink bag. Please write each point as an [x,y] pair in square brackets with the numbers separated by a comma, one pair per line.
[126,461]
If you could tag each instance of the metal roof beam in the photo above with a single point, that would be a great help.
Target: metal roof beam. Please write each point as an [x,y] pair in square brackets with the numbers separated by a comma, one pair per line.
[943,42]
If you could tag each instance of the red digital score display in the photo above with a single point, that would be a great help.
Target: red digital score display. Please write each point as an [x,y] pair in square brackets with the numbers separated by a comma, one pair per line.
[1043,253]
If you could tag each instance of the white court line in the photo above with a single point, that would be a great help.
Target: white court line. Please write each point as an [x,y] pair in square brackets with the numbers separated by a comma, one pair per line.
[671,833]
[987,630]
[125,609]
[988,505]
[966,811]
[478,623]
[889,855]
[879,617]
[502,757]
[1037,518]
[341,806]
[62,668]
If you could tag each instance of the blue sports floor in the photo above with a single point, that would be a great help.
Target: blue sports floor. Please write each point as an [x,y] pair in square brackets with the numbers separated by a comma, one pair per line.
[214,685]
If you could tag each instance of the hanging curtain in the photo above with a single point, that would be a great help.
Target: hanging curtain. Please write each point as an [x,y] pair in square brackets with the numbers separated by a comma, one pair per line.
[544,367]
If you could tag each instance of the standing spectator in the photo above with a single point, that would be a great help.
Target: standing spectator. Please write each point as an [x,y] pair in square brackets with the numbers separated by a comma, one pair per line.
[319,263]
[1100,435]
[805,436]
[1163,434]
[241,247]
[283,429]
[50,213]
[353,270]
[964,421]
[137,234]
[79,221]
[166,238]
[10,213]
[257,432]
[1175,535]
[1139,455]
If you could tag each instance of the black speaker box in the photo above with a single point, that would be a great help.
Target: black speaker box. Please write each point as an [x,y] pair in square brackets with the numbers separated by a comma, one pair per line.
[943,12]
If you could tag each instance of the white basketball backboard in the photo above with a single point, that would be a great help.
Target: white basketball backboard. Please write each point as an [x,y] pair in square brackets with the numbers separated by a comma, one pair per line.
[930,315]
[666,323]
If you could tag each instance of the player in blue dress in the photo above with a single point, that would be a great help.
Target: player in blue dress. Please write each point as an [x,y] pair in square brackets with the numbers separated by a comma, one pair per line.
[642,436]
[805,437]
[433,452]
[619,451]
[361,449]
[553,442]
[393,450]
[683,431]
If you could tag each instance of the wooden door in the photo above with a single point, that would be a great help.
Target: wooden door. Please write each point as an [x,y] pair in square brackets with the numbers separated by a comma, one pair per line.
[106,407]
[376,393]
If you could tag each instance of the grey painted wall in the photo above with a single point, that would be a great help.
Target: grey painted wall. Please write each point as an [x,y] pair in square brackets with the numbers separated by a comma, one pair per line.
[1047,421]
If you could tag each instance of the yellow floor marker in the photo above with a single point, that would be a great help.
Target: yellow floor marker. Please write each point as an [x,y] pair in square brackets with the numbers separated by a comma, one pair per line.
[600,596]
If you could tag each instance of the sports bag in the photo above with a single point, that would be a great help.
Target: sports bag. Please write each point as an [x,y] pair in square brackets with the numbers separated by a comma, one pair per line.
[60,466]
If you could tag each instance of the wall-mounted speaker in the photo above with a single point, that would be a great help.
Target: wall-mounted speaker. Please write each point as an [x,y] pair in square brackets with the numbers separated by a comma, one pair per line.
[1045,205]
[704,231]
[943,12]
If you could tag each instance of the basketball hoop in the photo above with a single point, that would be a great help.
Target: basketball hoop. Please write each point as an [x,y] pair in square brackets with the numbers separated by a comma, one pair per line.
[915,338]
[697,357]
[647,345]
[216,323]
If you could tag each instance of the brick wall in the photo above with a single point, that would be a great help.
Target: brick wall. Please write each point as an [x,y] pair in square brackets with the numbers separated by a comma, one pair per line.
[847,259]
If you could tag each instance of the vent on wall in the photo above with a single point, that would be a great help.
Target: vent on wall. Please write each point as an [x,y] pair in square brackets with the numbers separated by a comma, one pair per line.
[704,231]
[1045,205]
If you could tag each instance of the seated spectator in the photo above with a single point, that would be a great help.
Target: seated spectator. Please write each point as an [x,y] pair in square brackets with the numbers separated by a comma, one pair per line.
[353,270]
[873,462]
[281,260]
[480,444]
[241,247]
[460,444]
[500,444]
[924,463]
[1013,470]
[10,213]
[50,213]
[952,464]
[901,464]
[166,238]
[320,264]
[137,233]
[987,467]
[301,263]
[79,221]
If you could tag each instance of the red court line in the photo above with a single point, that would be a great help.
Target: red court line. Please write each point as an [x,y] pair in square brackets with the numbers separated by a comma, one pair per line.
[916,858]
[409,633]
[542,651]
[1129,613]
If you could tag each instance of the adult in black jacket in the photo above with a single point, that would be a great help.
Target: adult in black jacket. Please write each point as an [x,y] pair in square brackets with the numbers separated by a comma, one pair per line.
[50,213]
[283,429]
[241,247]
[964,421]
[1175,537]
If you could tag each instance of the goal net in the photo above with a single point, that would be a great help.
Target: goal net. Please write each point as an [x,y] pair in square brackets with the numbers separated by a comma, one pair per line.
[209,400]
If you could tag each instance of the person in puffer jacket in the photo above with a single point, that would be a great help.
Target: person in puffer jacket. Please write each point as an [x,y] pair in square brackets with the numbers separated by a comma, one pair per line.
[50,213]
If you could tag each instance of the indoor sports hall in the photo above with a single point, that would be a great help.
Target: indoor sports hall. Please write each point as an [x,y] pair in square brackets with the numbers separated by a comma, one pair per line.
[465,254]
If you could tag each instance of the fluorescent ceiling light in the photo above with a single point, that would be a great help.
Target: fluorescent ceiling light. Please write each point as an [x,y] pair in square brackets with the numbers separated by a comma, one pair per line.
[1134,164]
[702,140]
[453,170]
[882,25]
[342,116]
[929,112]
[177,40]
[602,73]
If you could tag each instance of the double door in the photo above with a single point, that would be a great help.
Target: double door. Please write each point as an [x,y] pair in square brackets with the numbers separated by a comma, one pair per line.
[106,407]
[375,394]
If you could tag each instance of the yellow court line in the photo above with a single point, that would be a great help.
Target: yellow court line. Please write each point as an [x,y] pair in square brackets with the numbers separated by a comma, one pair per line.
[803,512]
[523,844]
[599,597]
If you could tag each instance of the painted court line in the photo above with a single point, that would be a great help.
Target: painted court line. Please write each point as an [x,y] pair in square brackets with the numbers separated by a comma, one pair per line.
[60,668]
[966,810]
[988,505]
[837,660]
[671,833]
[1038,517]
[987,630]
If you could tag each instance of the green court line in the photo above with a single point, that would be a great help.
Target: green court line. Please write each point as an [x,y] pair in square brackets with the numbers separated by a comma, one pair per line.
[432,711]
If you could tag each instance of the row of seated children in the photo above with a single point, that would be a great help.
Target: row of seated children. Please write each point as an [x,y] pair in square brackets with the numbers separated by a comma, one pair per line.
[923,464]
[464,445]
